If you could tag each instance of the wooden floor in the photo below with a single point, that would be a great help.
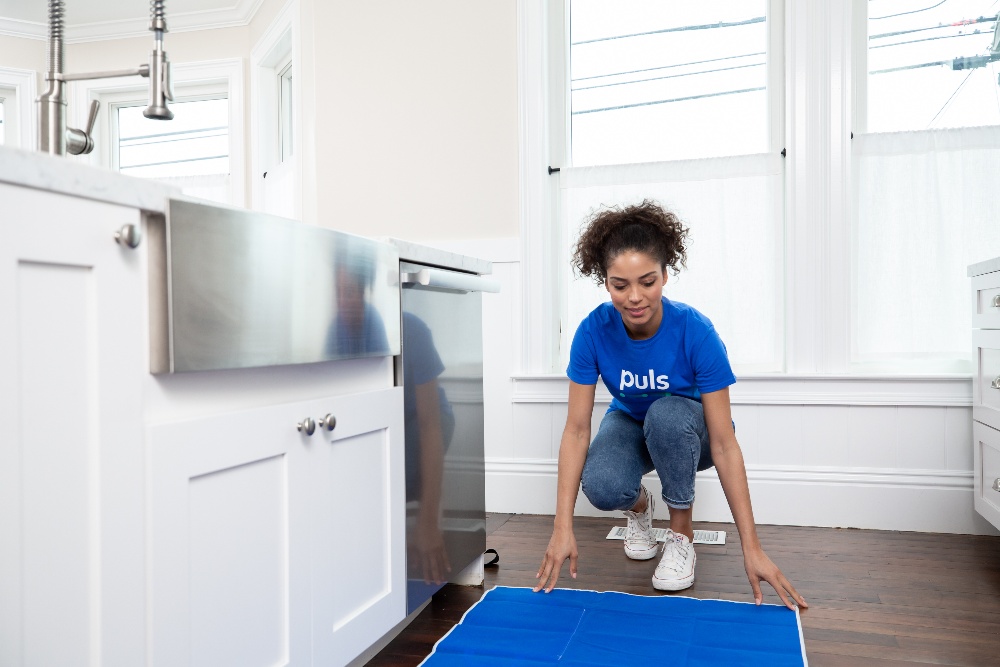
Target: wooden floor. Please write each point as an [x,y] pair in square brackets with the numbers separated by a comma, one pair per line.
[877,598]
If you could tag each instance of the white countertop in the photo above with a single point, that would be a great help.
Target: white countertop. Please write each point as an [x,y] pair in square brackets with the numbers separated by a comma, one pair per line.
[422,254]
[986,266]
[66,175]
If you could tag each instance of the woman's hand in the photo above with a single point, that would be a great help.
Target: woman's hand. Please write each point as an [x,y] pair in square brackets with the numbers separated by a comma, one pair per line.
[562,545]
[760,568]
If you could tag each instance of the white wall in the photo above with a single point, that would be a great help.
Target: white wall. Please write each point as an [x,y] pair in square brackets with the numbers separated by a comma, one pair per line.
[415,131]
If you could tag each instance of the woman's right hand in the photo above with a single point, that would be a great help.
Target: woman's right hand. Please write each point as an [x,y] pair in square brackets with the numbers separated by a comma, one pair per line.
[562,545]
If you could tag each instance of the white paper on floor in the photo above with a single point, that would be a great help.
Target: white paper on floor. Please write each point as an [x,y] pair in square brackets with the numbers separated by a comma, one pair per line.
[700,536]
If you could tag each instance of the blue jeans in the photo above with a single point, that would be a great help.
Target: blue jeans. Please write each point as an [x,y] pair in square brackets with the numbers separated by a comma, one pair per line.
[673,440]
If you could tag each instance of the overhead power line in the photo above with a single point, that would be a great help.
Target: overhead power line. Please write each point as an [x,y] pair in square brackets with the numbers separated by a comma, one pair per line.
[669,76]
[927,39]
[914,11]
[650,69]
[676,99]
[953,24]
[951,98]
[685,28]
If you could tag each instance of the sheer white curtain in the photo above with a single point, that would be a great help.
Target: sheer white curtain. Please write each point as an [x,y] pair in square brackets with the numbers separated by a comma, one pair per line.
[734,208]
[926,208]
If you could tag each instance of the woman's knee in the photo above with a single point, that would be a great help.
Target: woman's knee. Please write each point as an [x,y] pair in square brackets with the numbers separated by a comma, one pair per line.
[605,491]
[673,415]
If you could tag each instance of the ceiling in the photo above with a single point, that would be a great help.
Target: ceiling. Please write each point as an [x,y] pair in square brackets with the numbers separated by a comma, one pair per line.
[88,20]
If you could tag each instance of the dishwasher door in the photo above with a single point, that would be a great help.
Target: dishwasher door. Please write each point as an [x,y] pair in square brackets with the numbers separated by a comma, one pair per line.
[441,367]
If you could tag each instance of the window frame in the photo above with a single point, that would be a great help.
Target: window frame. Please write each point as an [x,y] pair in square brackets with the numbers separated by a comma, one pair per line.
[277,49]
[545,124]
[20,107]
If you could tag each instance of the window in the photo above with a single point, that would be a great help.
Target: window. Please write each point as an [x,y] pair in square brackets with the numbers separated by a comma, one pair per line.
[285,110]
[932,64]
[653,80]
[681,103]
[923,176]
[200,151]
[276,184]
[17,108]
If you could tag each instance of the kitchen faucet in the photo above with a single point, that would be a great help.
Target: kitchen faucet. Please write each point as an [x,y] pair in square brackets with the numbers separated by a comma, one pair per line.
[53,135]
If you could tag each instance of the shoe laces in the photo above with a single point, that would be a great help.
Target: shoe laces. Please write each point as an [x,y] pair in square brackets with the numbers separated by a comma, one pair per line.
[676,552]
[640,524]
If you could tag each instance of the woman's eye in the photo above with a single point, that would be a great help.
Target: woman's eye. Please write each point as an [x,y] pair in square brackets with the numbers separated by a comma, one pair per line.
[647,284]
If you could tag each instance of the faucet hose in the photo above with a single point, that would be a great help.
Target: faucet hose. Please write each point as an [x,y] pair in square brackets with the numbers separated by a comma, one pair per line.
[55,61]
[157,16]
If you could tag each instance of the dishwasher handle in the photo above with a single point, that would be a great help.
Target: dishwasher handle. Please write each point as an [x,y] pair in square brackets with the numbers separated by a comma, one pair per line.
[448,280]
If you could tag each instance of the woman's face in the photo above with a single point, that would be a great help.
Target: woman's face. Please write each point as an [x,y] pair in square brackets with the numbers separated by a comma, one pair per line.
[635,282]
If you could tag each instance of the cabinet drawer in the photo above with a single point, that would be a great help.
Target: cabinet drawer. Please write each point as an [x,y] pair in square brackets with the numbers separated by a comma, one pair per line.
[987,472]
[986,383]
[986,301]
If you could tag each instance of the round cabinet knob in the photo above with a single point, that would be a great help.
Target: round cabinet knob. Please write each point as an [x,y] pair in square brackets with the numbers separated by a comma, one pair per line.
[996,383]
[328,422]
[129,235]
[307,426]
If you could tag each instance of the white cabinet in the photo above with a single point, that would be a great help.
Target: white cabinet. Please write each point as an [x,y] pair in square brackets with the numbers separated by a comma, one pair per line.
[179,520]
[270,546]
[72,359]
[986,389]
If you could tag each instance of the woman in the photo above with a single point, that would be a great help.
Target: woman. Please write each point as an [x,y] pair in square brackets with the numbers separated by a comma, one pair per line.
[669,376]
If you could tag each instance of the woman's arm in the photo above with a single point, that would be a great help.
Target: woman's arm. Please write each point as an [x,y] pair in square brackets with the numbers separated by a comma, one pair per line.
[728,460]
[572,455]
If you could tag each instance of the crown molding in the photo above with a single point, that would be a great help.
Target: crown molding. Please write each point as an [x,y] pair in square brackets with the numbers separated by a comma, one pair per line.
[233,17]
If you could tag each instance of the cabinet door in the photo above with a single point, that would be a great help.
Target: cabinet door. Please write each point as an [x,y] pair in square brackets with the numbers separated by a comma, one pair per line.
[229,564]
[357,509]
[72,359]
[273,547]
[986,472]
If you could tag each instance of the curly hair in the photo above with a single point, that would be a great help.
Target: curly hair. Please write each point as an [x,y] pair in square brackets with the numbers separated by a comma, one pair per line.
[647,227]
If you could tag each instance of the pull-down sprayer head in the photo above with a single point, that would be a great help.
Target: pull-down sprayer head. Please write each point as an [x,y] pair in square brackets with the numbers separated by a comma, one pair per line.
[159,67]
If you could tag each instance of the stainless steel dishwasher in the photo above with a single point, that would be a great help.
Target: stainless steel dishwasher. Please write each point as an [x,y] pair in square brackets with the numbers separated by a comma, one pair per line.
[441,368]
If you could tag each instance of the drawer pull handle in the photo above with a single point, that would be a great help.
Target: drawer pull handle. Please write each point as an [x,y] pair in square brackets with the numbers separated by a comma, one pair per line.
[996,383]
[996,484]
[328,422]
[307,426]
[996,301]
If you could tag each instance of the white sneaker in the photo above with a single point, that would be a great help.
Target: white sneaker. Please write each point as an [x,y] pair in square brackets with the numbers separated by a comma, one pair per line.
[676,569]
[640,543]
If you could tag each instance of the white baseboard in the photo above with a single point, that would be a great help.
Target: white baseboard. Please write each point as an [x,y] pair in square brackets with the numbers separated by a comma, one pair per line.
[933,501]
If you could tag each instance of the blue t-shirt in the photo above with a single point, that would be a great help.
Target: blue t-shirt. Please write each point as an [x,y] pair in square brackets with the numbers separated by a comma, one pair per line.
[685,357]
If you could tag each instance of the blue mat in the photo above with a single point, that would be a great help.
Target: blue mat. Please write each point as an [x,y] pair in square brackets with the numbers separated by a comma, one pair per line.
[514,626]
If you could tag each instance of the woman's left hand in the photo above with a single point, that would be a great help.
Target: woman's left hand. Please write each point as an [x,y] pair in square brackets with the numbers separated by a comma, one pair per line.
[760,568]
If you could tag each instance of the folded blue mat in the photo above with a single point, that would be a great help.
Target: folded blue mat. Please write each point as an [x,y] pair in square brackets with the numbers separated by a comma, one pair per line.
[514,626]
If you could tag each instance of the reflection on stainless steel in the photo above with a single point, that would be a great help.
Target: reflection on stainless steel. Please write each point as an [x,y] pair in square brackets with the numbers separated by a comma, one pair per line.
[442,373]
[239,289]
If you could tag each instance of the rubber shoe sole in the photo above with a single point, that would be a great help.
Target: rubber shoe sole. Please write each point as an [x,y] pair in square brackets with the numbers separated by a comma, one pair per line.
[642,554]
[676,584]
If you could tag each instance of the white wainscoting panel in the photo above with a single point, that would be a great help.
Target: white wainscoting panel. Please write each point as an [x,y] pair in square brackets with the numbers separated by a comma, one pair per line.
[920,437]
[824,429]
[871,436]
[957,438]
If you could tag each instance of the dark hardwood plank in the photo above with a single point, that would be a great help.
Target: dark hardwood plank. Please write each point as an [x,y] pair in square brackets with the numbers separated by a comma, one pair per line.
[879,598]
